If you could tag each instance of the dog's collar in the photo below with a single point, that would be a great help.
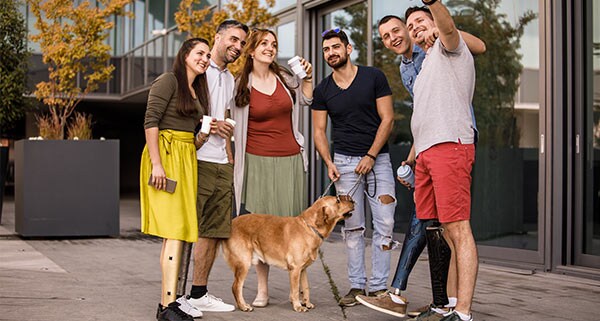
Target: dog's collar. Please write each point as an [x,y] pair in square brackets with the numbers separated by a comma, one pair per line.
[314,229]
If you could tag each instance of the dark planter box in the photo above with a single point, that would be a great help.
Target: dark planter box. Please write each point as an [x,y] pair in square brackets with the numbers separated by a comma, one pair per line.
[66,188]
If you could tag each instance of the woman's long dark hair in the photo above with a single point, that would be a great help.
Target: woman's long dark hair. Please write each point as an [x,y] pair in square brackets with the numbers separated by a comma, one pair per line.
[242,95]
[185,106]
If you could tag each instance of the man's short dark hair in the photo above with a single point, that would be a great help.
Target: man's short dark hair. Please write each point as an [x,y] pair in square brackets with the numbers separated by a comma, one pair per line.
[388,18]
[231,24]
[336,33]
[412,10]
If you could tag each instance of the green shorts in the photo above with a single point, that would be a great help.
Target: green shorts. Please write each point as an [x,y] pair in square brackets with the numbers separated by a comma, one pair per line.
[215,198]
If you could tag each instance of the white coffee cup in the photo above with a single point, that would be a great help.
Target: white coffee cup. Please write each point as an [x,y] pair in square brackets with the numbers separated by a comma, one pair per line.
[231,121]
[406,174]
[297,67]
[206,120]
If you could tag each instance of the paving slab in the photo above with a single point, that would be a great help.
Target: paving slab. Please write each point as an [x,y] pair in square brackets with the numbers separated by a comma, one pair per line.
[112,279]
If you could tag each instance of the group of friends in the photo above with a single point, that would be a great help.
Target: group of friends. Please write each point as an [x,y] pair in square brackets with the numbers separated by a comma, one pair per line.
[264,102]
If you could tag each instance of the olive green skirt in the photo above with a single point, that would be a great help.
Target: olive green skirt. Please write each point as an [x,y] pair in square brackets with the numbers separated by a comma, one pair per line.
[274,185]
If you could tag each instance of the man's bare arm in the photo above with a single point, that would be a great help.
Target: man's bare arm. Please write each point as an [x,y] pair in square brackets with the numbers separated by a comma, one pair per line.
[476,46]
[443,20]
[385,110]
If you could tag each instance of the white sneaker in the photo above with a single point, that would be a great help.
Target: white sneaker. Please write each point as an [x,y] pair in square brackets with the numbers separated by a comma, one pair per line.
[185,306]
[210,303]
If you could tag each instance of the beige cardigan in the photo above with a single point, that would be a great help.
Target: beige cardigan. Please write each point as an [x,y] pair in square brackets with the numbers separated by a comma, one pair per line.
[240,133]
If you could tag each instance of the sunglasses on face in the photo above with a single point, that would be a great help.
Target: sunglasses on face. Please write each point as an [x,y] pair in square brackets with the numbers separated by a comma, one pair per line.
[336,30]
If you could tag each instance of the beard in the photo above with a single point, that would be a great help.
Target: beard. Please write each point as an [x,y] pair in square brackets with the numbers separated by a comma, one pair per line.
[229,56]
[342,61]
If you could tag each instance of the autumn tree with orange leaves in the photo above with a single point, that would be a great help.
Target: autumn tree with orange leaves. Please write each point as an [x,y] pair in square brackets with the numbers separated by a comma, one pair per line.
[72,42]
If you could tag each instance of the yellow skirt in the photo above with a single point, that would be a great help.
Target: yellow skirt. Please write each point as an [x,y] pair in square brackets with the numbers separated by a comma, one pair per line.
[171,216]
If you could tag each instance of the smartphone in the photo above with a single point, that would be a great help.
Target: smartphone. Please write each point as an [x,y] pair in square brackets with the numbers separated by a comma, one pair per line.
[171,184]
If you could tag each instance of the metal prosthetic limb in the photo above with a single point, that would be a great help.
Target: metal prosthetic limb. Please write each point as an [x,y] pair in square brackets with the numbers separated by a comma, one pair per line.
[170,262]
[439,262]
[412,247]
[186,253]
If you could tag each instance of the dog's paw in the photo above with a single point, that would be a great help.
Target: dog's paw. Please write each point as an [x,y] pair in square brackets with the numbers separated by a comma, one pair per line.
[300,308]
[308,305]
[246,308]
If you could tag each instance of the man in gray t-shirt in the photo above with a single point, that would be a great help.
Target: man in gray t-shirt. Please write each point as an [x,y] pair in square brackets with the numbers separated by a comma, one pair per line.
[442,127]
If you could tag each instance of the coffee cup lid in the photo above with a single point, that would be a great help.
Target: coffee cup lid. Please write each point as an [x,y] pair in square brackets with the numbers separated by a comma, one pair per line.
[293,59]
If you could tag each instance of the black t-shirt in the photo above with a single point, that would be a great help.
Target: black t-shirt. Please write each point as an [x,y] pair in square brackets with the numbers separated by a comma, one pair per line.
[353,111]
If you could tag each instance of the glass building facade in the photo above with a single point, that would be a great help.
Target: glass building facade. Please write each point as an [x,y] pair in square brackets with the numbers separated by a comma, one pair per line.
[536,181]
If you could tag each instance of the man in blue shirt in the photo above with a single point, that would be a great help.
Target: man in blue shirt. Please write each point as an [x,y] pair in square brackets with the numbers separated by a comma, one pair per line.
[395,37]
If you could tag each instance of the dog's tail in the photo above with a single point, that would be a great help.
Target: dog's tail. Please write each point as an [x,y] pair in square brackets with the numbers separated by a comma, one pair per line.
[222,246]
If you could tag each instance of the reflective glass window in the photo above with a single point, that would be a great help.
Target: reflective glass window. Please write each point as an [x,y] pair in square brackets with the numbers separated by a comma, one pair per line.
[591,178]
[506,105]
[286,42]
[279,4]
[156,16]
[139,22]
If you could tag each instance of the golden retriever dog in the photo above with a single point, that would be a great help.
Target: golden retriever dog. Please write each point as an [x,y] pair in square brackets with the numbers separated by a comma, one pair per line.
[290,243]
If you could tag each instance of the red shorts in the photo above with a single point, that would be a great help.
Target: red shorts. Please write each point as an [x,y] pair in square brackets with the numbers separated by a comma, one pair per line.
[443,182]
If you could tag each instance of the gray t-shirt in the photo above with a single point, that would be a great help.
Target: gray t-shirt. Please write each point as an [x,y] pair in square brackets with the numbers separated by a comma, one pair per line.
[443,94]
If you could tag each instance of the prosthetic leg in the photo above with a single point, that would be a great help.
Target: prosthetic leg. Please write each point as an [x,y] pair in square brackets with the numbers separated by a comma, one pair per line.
[186,253]
[439,262]
[412,247]
[170,260]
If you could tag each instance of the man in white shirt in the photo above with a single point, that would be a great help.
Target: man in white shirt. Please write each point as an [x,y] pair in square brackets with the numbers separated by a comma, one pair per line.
[215,166]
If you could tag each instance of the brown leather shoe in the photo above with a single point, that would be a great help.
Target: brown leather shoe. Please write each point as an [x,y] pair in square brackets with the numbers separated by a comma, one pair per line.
[349,299]
[384,303]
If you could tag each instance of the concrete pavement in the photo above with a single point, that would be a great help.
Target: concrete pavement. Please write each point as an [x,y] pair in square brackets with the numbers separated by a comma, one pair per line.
[118,279]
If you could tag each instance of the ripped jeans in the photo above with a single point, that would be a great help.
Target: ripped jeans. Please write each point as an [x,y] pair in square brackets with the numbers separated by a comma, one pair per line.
[379,184]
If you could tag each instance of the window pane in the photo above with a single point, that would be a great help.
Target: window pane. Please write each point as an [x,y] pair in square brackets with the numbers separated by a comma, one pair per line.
[175,41]
[139,22]
[506,106]
[156,15]
[506,102]
[286,42]
[173,7]
[155,59]
[591,220]
[127,26]
[279,4]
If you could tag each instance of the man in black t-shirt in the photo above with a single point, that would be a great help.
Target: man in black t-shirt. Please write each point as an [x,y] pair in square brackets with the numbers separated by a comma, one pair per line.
[358,100]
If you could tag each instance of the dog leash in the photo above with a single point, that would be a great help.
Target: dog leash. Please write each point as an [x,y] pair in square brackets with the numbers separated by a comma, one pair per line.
[314,229]
[354,187]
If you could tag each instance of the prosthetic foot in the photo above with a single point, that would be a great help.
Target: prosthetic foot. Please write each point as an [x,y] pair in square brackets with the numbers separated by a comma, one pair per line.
[439,262]
[186,253]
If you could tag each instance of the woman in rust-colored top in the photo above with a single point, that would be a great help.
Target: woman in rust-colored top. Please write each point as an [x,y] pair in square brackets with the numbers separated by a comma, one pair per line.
[270,161]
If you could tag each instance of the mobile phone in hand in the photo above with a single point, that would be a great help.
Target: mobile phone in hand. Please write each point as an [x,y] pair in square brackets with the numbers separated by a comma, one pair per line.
[171,184]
